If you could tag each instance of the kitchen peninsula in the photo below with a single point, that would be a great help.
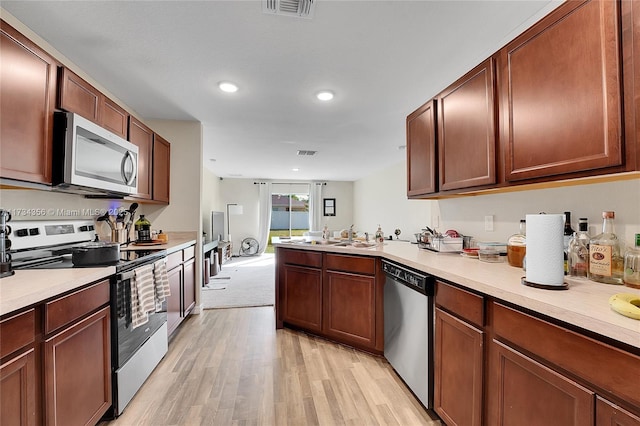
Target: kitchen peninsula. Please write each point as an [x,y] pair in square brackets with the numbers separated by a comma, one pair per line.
[510,343]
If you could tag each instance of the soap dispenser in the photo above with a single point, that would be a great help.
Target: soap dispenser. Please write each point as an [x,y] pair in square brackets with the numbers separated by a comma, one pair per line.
[379,236]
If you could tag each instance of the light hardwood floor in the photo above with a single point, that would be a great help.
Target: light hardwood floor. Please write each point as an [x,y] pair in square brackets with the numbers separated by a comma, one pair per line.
[231,367]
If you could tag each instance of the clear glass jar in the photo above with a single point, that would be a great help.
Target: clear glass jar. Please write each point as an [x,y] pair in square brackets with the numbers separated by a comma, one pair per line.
[606,263]
[517,246]
[631,276]
[578,252]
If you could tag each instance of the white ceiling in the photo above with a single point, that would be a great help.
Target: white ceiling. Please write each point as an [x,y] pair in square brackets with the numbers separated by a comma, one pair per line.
[383,59]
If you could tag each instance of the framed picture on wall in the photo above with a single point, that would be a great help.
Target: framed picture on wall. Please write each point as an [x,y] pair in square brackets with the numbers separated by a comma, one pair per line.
[329,206]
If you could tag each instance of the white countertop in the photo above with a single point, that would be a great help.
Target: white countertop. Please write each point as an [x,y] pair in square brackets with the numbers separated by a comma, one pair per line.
[585,304]
[31,286]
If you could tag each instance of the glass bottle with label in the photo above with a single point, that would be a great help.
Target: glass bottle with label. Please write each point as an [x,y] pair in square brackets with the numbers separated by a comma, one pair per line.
[632,265]
[605,260]
[568,233]
[143,229]
[517,246]
[578,253]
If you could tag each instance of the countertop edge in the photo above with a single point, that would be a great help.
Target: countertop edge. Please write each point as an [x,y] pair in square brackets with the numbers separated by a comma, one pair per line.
[613,326]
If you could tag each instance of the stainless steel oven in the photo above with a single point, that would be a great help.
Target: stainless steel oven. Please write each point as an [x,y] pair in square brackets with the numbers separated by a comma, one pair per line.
[135,352]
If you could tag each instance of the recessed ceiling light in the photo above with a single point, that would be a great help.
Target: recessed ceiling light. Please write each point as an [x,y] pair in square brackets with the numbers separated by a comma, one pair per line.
[295,169]
[325,95]
[228,87]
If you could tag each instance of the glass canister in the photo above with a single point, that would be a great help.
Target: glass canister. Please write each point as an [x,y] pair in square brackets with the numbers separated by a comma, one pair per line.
[631,277]
[517,246]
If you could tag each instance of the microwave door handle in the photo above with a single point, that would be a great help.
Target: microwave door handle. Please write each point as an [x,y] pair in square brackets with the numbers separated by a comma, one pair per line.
[134,172]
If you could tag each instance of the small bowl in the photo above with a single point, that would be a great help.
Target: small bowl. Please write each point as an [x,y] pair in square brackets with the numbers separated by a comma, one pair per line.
[490,256]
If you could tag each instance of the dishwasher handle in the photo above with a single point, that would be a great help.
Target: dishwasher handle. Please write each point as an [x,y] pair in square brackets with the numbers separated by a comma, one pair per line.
[418,281]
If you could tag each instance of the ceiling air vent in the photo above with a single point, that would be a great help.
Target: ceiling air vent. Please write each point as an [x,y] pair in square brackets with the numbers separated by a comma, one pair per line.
[299,8]
[307,153]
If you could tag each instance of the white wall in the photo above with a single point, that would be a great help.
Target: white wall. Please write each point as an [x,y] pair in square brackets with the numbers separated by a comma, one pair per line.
[244,192]
[210,199]
[381,197]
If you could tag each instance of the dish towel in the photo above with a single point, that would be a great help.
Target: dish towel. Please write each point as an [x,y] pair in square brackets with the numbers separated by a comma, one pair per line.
[142,295]
[161,283]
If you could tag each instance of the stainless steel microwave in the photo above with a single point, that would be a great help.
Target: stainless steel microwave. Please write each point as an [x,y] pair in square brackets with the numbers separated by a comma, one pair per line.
[91,160]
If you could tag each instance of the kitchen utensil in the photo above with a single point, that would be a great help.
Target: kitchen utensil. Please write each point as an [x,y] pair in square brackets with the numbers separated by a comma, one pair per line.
[96,254]
[132,210]
[5,244]
[106,218]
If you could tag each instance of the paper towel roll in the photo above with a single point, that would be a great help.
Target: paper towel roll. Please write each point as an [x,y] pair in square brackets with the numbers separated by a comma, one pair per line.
[545,250]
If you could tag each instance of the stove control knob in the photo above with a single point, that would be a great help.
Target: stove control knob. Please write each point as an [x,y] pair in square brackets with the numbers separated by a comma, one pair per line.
[22,232]
[34,231]
[83,228]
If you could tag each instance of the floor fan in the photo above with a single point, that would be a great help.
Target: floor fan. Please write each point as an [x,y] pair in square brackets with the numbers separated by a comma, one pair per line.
[249,247]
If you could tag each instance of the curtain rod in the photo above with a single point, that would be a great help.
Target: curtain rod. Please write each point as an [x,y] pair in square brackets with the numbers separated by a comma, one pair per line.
[291,183]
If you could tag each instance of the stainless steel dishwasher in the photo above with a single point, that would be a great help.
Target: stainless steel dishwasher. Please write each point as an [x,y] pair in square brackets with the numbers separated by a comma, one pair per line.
[408,327]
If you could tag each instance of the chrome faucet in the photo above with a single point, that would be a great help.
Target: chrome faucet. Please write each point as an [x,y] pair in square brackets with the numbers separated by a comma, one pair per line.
[351,233]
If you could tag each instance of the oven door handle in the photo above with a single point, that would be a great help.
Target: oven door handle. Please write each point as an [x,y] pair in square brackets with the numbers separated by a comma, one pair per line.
[125,276]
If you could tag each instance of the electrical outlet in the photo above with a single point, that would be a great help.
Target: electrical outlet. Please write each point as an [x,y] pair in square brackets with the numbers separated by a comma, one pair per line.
[488,223]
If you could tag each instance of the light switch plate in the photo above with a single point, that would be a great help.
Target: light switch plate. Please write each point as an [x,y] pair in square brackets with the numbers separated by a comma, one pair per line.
[488,223]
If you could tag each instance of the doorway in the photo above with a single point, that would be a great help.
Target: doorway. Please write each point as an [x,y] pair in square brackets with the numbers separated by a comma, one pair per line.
[289,211]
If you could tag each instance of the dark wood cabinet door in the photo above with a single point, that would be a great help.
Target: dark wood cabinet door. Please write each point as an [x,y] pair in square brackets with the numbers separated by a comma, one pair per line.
[302,297]
[189,286]
[28,87]
[141,136]
[77,371]
[467,130]
[161,169]
[421,151]
[560,93]
[349,308]
[174,311]
[115,118]
[609,414]
[76,95]
[18,390]
[521,388]
[458,358]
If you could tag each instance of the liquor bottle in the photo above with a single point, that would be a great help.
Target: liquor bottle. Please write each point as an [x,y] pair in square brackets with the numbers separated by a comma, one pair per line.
[143,229]
[379,236]
[517,246]
[578,252]
[605,260]
[631,276]
[568,233]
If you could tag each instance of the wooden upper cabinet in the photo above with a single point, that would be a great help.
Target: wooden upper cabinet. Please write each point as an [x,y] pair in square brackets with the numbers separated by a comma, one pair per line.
[141,136]
[560,90]
[76,95]
[421,151]
[28,87]
[114,118]
[161,169]
[467,131]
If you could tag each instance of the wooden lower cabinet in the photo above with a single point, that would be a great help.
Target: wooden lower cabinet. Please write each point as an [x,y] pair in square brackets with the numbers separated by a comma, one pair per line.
[189,286]
[301,289]
[77,366]
[18,390]
[337,296]
[609,414]
[458,358]
[349,307]
[173,301]
[523,390]
[182,284]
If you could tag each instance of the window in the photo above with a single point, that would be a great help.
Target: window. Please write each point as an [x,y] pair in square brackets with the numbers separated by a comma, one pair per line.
[289,209]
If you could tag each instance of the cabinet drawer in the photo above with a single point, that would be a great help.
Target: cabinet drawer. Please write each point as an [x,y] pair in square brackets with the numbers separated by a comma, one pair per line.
[189,253]
[604,366]
[301,257]
[465,305]
[356,264]
[17,332]
[174,259]
[67,309]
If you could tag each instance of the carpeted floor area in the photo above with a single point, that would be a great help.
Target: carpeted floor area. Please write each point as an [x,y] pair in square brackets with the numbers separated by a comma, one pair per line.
[242,282]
